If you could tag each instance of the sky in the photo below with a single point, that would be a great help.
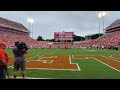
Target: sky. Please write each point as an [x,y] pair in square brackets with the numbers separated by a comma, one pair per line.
[82,23]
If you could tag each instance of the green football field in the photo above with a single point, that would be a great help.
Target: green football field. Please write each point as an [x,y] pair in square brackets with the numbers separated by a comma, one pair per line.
[88,68]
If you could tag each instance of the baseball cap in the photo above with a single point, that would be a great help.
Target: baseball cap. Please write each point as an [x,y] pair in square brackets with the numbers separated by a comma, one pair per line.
[2,44]
[17,43]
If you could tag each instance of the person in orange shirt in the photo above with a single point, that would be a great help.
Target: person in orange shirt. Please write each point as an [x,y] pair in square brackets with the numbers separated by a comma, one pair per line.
[3,61]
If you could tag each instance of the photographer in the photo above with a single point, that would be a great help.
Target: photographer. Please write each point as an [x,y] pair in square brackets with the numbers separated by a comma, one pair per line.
[19,58]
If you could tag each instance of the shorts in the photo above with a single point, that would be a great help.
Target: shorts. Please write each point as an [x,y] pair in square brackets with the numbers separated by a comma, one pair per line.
[19,65]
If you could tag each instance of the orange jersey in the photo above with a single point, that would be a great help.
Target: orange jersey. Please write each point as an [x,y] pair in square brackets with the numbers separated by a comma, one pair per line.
[3,55]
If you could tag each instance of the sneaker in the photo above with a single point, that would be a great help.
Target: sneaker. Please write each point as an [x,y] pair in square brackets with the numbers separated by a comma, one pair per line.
[14,77]
[24,77]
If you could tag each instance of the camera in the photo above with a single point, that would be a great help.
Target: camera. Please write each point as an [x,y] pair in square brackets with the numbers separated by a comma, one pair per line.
[21,45]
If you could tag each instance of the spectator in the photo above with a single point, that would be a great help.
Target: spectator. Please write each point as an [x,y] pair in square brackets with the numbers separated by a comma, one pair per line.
[3,61]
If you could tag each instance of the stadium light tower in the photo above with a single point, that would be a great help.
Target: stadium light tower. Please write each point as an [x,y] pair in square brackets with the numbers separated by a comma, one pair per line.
[30,21]
[101,15]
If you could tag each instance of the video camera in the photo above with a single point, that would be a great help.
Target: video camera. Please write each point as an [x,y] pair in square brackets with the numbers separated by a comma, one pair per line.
[21,45]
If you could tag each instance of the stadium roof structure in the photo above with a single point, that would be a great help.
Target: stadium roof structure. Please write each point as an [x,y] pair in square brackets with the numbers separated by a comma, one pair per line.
[89,35]
[12,24]
[113,25]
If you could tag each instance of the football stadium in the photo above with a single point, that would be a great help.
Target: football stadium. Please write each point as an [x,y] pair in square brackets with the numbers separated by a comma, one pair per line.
[65,58]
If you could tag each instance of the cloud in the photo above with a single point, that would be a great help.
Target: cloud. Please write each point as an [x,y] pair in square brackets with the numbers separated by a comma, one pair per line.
[47,22]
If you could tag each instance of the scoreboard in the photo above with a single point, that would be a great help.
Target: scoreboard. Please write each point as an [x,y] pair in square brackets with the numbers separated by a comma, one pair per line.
[58,36]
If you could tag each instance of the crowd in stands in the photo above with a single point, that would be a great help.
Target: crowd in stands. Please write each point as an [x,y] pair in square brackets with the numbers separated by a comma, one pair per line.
[10,32]
[107,41]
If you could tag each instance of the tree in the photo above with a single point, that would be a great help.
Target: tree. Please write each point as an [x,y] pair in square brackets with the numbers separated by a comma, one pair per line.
[49,40]
[78,38]
[96,36]
[40,38]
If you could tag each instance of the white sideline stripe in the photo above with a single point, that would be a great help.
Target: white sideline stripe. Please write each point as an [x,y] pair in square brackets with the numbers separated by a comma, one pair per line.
[53,69]
[11,77]
[91,50]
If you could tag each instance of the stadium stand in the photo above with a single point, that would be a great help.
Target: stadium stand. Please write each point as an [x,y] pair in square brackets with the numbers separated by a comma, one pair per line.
[11,31]
[109,40]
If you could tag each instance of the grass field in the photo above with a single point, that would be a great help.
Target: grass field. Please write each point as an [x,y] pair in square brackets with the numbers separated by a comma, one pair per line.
[88,68]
